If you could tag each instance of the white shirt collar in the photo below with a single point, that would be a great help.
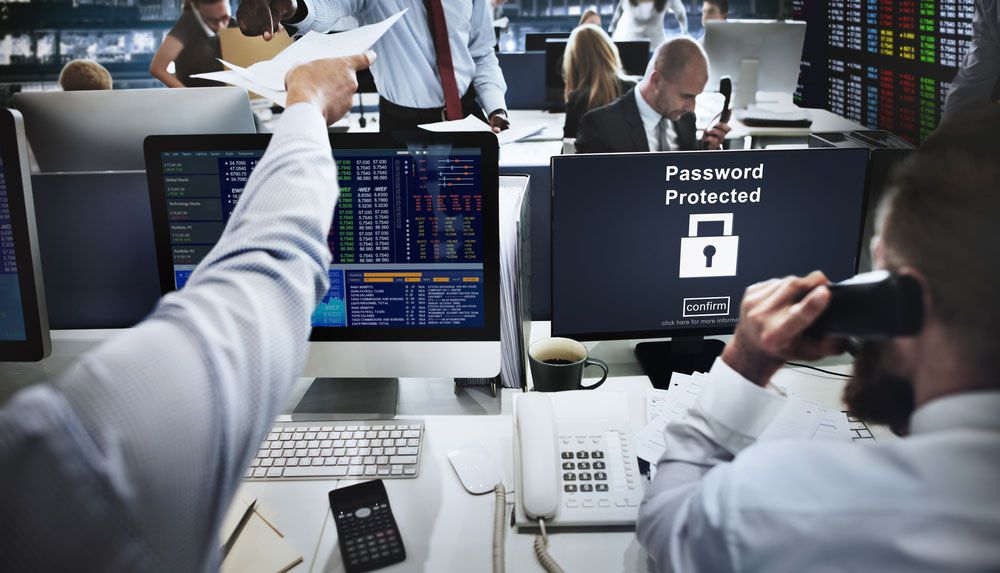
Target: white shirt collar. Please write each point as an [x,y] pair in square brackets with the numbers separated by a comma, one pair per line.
[650,117]
[979,409]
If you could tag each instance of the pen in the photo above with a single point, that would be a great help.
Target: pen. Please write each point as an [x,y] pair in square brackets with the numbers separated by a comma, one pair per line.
[239,528]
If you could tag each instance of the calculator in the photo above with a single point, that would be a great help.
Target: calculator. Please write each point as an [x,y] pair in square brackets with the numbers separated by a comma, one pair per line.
[367,531]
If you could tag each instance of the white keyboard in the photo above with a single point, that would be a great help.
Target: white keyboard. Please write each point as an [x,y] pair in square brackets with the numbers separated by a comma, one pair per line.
[860,432]
[384,449]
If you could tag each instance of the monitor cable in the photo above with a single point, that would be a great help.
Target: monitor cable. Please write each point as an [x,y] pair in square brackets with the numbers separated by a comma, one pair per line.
[361,104]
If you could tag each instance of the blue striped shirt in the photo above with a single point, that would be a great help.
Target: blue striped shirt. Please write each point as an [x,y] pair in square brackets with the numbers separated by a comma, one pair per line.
[129,461]
[406,71]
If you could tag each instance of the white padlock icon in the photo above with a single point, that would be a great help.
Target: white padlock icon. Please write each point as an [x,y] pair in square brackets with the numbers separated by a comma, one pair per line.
[709,256]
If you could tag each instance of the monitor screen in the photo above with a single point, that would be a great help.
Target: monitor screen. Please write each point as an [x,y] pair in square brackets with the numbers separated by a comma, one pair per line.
[535,42]
[24,334]
[11,315]
[413,248]
[663,244]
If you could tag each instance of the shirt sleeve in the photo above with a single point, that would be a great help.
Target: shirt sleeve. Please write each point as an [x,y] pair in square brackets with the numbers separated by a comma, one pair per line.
[321,15]
[980,71]
[681,520]
[487,78]
[175,407]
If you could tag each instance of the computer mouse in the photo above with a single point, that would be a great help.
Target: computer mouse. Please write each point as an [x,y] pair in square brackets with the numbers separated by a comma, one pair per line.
[475,468]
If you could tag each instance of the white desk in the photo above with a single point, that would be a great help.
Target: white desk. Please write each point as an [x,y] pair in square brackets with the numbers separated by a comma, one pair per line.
[444,528]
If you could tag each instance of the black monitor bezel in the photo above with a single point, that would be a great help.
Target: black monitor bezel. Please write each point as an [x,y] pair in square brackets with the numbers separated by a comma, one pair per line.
[486,142]
[675,332]
[36,328]
[542,38]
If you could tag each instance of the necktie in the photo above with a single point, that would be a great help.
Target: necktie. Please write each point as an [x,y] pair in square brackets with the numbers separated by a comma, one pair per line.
[664,139]
[439,32]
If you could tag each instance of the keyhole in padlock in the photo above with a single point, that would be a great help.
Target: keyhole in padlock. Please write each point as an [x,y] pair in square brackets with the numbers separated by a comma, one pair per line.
[709,252]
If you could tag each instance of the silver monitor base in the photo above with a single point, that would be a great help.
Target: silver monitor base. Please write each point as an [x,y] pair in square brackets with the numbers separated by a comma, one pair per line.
[348,399]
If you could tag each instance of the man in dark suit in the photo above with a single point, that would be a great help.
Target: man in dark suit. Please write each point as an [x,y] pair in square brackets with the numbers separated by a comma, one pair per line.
[658,114]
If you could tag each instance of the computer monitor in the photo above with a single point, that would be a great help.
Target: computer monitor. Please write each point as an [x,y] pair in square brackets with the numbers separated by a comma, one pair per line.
[652,245]
[103,130]
[96,240]
[758,54]
[414,280]
[24,327]
[634,55]
[535,42]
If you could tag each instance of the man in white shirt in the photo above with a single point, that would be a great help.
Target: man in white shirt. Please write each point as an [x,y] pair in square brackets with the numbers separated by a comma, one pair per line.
[927,502]
[129,460]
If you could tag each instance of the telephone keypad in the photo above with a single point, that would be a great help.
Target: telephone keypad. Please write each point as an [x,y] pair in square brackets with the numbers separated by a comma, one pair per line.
[598,471]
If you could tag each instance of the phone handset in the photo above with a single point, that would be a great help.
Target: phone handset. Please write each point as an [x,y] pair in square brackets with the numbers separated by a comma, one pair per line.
[539,457]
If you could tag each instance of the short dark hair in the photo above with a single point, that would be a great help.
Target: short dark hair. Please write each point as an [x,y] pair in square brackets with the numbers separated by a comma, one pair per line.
[941,216]
[722,5]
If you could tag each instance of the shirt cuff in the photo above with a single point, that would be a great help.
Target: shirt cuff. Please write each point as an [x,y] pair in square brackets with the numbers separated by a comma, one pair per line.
[306,23]
[736,403]
[304,119]
[492,100]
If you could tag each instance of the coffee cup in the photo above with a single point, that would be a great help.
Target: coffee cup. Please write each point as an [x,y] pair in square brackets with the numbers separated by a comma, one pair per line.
[557,364]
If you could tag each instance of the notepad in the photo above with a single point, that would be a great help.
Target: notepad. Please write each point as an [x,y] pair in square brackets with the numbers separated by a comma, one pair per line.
[259,546]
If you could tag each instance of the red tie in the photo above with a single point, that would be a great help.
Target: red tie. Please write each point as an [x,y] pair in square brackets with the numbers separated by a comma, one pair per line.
[439,31]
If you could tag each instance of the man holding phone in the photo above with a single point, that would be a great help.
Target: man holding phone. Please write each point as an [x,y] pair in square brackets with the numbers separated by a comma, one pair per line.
[928,502]
[658,114]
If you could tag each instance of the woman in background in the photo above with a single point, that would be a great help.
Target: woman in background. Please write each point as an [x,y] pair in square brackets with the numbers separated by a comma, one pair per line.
[593,74]
[193,44]
[590,16]
[643,20]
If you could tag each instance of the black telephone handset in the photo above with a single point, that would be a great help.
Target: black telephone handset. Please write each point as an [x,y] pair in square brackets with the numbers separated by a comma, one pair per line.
[726,89]
[874,305]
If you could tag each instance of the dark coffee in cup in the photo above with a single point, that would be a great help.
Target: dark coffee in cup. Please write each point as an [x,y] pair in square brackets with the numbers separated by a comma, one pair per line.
[557,364]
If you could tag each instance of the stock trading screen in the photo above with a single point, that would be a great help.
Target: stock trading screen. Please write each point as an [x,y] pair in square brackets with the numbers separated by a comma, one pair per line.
[885,64]
[406,239]
[11,315]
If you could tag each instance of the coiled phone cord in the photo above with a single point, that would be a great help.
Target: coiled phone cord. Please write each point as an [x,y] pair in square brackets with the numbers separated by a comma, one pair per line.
[499,531]
[542,551]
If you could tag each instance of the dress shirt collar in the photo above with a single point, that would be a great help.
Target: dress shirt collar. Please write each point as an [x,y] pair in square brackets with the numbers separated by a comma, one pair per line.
[650,117]
[963,410]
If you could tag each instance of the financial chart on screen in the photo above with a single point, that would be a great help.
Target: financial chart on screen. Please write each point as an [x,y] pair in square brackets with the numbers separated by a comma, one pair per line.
[406,240]
[885,64]
[11,317]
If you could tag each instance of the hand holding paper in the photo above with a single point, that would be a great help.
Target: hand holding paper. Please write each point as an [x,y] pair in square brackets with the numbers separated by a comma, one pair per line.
[267,78]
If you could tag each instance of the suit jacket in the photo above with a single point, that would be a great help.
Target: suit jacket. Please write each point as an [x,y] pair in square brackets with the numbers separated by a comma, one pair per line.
[576,107]
[617,128]
[978,80]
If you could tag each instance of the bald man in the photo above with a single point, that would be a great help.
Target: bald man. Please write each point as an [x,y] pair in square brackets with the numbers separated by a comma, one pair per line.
[657,115]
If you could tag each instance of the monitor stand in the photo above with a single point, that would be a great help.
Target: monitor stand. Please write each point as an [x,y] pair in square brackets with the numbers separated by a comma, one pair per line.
[348,399]
[685,354]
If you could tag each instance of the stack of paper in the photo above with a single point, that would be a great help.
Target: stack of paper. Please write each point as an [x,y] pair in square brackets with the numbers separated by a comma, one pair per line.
[267,78]
[797,419]
[514,318]
[473,123]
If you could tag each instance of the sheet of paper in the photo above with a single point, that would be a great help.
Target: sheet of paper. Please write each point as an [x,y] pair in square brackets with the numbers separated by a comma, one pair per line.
[797,419]
[472,123]
[267,78]
[469,123]
[517,133]
[684,390]
[834,426]
[232,78]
